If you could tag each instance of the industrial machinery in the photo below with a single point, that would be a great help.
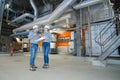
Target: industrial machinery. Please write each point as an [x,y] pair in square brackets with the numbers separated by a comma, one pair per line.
[53,44]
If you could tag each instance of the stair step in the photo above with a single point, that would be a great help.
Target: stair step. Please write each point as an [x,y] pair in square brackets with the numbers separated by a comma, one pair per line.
[108,50]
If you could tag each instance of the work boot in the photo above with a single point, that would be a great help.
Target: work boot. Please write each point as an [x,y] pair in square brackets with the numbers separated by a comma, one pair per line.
[34,66]
[45,66]
[32,69]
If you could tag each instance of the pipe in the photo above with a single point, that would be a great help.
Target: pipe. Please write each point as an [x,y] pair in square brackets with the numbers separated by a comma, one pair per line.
[47,16]
[20,34]
[57,26]
[21,17]
[8,9]
[43,18]
[40,30]
[55,14]
[64,17]
[35,9]
[12,10]
[87,3]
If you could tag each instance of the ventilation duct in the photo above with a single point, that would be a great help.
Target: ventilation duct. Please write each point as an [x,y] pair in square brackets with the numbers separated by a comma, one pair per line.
[35,9]
[46,20]
[57,13]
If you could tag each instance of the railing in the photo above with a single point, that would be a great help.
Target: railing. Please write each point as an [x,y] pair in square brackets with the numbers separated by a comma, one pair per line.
[104,40]
[109,38]
[104,30]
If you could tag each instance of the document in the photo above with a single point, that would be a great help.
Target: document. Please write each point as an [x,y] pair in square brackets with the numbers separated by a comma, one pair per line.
[40,39]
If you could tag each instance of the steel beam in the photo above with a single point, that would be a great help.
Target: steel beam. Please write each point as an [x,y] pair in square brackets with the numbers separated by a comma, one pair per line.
[2,2]
[78,32]
[89,33]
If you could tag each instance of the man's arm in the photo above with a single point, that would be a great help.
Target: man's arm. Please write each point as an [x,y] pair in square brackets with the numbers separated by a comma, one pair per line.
[31,35]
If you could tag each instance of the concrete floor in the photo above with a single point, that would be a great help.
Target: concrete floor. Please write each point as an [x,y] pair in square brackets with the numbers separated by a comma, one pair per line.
[61,68]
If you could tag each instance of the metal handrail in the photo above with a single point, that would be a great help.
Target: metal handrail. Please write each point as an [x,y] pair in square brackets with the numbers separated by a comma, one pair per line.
[106,43]
[109,38]
[106,28]
[101,35]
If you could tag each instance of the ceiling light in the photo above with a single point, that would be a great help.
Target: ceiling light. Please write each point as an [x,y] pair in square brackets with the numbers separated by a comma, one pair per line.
[18,40]
[7,6]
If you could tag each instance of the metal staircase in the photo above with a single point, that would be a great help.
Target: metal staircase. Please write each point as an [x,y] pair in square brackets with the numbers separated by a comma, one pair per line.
[109,43]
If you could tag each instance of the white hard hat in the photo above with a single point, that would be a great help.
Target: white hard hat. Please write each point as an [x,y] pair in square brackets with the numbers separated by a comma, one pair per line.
[46,26]
[35,26]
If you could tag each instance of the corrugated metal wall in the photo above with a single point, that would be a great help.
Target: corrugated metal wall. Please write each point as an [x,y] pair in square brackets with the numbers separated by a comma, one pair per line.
[98,12]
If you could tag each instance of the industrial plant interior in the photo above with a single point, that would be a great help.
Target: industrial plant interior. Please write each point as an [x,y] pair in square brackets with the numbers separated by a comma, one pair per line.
[85,39]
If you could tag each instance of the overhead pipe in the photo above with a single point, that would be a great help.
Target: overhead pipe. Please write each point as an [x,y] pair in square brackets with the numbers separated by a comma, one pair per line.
[57,13]
[27,14]
[58,26]
[9,9]
[35,9]
[40,31]
[64,17]
[43,18]
[46,17]
[87,3]
[21,17]
[20,34]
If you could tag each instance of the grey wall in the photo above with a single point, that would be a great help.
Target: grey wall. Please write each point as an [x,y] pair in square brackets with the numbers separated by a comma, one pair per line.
[97,12]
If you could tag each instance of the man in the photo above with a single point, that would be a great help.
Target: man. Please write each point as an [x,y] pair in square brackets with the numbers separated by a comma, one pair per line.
[33,35]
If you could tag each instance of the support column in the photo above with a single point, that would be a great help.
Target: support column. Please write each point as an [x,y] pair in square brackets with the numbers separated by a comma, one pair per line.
[78,32]
[117,24]
[1,13]
[89,33]
[75,43]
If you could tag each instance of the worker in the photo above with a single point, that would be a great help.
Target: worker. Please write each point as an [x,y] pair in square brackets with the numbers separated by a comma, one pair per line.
[46,45]
[11,49]
[33,35]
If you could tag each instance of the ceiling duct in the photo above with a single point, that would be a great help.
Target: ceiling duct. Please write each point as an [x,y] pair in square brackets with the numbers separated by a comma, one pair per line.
[24,16]
[35,9]
[24,34]
[57,13]
[87,3]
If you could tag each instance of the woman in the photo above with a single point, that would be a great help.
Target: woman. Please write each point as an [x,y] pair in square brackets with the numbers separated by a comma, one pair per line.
[46,45]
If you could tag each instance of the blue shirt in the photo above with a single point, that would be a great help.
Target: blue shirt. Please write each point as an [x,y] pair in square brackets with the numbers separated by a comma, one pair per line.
[33,36]
[48,36]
